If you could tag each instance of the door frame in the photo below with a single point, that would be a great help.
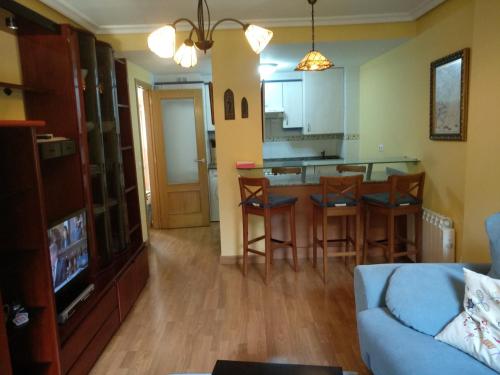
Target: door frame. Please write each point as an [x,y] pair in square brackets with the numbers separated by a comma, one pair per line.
[152,157]
[160,161]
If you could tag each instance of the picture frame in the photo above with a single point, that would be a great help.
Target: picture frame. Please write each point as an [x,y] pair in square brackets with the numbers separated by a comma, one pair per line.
[450,97]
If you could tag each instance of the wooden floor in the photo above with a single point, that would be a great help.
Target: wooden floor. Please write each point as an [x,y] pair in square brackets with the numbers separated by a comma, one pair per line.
[195,311]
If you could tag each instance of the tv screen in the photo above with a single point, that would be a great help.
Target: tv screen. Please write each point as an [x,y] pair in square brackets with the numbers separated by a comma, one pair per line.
[68,249]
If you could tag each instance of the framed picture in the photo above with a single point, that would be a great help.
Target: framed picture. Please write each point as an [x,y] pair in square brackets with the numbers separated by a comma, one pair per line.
[449,97]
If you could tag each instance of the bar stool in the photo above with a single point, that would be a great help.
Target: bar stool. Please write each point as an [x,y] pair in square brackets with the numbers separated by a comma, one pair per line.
[340,197]
[404,198]
[256,200]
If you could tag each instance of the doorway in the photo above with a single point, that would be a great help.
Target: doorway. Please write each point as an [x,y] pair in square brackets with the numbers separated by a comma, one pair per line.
[180,159]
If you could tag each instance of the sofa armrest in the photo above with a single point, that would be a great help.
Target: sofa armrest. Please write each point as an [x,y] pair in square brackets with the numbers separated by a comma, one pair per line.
[371,281]
[370,284]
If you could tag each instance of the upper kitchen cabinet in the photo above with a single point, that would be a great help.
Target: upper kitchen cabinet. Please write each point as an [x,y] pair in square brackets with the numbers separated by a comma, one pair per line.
[324,101]
[274,97]
[293,104]
[286,97]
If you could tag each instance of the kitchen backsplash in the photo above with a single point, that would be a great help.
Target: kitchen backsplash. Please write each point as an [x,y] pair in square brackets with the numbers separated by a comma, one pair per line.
[302,148]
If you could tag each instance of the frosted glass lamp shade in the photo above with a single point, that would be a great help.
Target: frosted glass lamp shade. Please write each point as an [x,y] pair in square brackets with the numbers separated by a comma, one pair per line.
[162,41]
[314,61]
[258,37]
[186,55]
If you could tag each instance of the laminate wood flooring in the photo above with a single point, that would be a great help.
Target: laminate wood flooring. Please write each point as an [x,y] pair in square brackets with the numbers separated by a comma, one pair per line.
[195,310]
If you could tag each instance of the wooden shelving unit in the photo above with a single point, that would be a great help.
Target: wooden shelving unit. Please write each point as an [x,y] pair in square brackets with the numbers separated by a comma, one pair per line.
[99,178]
[25,276]
[128,156]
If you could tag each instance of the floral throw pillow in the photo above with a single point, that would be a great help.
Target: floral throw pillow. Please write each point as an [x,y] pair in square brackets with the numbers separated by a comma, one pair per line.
[476,331]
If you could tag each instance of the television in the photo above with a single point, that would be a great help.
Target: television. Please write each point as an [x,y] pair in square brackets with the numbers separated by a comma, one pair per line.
[68,249]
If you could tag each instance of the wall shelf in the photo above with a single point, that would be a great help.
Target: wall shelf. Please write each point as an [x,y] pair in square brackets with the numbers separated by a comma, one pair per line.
[21,123]
[8,87]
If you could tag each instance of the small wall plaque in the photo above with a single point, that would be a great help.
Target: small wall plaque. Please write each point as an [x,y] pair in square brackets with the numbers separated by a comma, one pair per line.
[244,108]
[229,105]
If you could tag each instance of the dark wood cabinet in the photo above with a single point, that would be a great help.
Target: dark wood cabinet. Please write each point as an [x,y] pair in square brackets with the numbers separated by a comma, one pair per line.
[25,276]
[131,282]
[82,94]
[5,367]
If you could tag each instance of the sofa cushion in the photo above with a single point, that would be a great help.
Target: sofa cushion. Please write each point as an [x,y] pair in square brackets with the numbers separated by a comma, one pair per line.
[476,331]
[425,297]
[493,230]
[390,348]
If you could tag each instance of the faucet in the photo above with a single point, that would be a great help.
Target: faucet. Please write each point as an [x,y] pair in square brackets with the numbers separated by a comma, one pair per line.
[323,154]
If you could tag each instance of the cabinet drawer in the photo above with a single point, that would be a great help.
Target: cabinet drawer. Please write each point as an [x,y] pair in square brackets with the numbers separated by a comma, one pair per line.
[49,150]
[88,329]
[131,283]
[90,355]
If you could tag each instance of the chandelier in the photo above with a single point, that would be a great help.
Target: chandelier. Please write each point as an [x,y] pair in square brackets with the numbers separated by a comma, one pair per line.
[313,60]
[162,40]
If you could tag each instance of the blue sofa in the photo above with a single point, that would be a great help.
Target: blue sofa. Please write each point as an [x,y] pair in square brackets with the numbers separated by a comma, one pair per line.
[389,347]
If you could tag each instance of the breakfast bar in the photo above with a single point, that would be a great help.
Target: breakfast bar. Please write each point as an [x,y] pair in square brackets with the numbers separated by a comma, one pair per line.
[301,179]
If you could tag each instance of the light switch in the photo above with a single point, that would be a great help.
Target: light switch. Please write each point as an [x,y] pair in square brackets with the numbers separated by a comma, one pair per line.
[381,148]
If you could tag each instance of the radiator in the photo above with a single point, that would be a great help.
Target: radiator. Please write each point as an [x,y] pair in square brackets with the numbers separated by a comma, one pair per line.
[438,238]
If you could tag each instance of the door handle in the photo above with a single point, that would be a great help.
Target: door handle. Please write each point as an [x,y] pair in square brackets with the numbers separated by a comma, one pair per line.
[200,160]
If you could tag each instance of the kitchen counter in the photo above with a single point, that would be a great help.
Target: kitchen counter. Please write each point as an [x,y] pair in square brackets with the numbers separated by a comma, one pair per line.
[312,169]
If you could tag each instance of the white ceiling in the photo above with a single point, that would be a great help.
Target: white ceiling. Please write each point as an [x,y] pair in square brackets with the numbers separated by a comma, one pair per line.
[345,53]
[115,16]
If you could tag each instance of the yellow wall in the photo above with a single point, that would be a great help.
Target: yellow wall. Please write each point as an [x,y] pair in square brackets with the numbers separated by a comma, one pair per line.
[235,66]
[11,107]
[394,107]
[395,111]
[135,72]
[482,179]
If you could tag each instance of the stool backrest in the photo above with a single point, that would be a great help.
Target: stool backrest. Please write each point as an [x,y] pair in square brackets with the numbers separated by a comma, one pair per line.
[254,188]
[348,187]
[406,185]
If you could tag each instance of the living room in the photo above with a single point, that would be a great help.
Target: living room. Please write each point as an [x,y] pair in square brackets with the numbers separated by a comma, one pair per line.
[118,269]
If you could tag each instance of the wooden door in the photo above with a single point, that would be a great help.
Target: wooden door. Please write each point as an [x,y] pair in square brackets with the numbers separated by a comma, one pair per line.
[181,158]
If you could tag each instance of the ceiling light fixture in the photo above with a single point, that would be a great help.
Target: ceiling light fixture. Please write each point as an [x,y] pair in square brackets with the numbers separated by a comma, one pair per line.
[162,40]
[313,61]
[10,22]
[266,70]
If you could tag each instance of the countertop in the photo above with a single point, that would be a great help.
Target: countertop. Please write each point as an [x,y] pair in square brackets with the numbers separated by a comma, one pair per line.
[306,162]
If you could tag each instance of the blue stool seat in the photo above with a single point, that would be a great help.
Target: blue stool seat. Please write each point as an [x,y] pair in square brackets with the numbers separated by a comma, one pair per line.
[273,201]
[383,199]
[334,200]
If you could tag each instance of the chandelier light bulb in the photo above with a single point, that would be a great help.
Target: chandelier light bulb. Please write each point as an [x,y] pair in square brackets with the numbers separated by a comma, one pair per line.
[162,42]
[186,55]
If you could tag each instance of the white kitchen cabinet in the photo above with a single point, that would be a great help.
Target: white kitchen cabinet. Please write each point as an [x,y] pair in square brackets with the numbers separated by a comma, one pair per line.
[293,106]
[206,109]
[324,102]
[273,96]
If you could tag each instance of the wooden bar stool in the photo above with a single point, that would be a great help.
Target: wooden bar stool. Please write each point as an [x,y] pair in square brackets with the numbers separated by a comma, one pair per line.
[404,198]
[341,197]
[255,200]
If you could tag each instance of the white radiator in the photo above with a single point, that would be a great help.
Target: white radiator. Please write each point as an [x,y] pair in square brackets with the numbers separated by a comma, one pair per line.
[438,238]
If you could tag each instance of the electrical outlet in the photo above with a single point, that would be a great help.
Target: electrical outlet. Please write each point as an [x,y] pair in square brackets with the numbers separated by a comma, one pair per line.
[381,148]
